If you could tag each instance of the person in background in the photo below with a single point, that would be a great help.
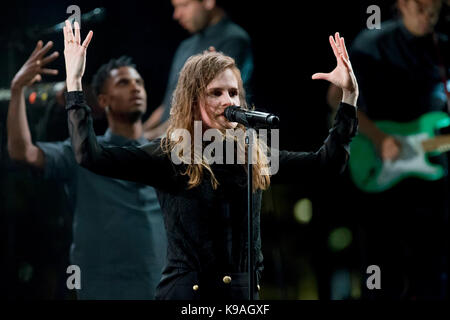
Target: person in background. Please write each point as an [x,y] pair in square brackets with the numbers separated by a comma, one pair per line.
[211,30]
[119,241]
[403,71]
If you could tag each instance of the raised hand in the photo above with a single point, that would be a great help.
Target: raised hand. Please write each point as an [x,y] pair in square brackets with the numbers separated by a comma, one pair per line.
[210,49]
[342,76]
[75,55]
[33,68]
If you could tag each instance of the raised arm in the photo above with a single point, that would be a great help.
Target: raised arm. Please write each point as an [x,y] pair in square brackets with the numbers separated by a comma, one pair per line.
[20,145]
[342,76]
[333,156]
[145,164]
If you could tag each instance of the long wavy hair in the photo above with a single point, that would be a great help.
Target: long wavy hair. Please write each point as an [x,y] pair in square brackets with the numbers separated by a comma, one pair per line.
[198,71]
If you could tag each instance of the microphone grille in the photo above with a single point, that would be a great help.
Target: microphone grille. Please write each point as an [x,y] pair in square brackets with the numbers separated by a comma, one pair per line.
[230,113]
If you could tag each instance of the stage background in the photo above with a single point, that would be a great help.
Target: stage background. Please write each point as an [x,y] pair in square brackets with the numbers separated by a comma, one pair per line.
[318,258]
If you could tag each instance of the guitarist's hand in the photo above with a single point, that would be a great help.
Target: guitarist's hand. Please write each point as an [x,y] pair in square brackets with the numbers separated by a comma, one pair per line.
[389,148]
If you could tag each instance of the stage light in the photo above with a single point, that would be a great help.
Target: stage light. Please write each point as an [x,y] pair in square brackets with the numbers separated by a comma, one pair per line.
[303,211]
[339,239]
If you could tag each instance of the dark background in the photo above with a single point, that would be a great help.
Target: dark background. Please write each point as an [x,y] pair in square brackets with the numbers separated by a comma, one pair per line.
[290,43]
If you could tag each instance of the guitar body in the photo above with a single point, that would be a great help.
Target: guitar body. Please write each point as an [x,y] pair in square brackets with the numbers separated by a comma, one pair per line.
[371,174]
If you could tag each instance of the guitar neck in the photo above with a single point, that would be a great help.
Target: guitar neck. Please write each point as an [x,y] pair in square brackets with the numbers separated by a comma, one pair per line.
[440,143]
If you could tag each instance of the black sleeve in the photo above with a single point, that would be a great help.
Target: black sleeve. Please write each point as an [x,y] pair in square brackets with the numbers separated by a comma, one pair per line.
[145,164]
[330,159]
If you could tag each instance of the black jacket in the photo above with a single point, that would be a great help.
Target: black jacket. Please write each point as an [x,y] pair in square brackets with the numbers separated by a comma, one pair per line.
[206,228]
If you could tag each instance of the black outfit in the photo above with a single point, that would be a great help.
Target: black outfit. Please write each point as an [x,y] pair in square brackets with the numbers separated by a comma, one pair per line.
[206,228]
[405,228]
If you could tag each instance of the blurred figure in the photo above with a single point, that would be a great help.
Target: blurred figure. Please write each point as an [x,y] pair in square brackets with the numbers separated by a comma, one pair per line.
[211,30]
[119,241]
[402,70]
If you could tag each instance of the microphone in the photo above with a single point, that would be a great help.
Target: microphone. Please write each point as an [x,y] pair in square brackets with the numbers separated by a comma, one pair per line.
[251,119]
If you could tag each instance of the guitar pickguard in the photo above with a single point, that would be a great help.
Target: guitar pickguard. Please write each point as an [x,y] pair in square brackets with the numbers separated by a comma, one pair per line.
[412,161]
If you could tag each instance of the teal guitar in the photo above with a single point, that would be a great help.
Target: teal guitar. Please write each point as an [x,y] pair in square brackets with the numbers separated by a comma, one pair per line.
[418,141]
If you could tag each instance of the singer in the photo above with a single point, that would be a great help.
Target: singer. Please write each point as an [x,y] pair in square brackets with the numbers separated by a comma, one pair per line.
[205,205]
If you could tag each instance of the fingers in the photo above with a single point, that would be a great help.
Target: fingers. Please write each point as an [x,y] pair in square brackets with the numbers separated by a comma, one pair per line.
[38,47]
[344,56]
[210,49]
[68,32]
[50,58]
[321,76]
[338,41]
[334,47]
[36,78]
[339,49]
[346,63]
[44,50]
[48,71]
[77,33]
[40,63]
[69,36]
[344,49]
[88,39]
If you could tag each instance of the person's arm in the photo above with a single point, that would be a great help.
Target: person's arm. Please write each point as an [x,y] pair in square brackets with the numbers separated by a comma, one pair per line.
[145,164]
[20,145]
[387,147]
[154,120]
[334,96]
[333,156]
[157,131]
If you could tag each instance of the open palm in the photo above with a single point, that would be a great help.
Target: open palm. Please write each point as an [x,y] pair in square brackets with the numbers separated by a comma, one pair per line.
[75,52]
[33,68]
[342,76]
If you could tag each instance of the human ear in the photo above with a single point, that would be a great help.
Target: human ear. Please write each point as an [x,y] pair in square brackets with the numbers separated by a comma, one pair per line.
[103,100]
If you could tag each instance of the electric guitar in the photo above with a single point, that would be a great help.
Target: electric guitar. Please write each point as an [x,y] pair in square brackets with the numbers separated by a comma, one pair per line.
[417,141]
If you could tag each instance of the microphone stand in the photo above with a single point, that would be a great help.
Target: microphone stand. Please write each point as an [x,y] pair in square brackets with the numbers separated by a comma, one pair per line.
[251,121]
[251,274]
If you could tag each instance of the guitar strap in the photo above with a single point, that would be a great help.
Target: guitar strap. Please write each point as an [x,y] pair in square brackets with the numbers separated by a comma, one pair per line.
[442,69]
